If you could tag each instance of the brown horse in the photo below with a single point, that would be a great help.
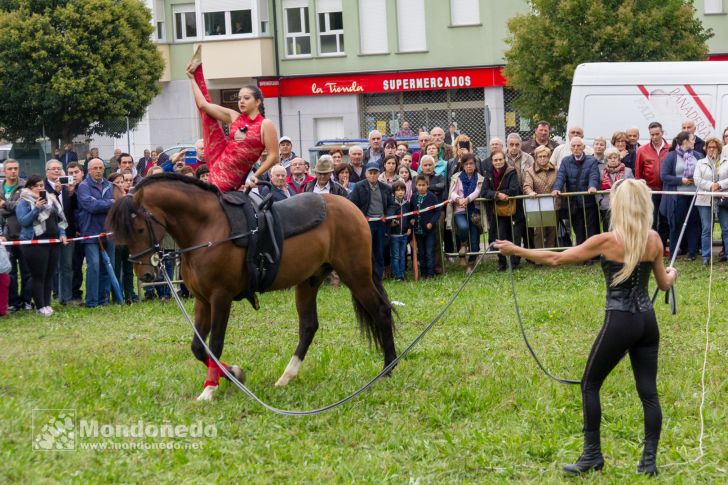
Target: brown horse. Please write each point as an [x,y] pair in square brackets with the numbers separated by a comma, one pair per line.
[190,212]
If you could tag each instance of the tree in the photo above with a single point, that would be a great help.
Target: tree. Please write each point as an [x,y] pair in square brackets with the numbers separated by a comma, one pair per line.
[68,66]
[549,42]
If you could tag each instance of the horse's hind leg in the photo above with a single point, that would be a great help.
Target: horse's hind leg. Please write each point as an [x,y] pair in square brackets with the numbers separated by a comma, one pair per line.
[307,325]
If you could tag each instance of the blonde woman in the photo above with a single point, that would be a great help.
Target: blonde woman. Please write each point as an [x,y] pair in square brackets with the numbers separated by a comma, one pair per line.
[629,252]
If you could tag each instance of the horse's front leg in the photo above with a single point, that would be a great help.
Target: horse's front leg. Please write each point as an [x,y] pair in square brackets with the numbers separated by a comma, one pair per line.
[219,311]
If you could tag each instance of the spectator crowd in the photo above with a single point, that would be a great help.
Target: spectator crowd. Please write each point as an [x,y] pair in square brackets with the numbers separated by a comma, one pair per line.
[387,180]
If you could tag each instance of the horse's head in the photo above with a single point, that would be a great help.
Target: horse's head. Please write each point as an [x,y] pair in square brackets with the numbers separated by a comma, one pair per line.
[134,226]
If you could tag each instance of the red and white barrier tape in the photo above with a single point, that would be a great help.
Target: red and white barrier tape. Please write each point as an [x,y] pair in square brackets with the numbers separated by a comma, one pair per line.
[53,241]
[407,214]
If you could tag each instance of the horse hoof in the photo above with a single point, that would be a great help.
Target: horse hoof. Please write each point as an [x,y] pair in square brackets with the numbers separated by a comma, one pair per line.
[290,373]
[238,373]
[207,393]
[283,381]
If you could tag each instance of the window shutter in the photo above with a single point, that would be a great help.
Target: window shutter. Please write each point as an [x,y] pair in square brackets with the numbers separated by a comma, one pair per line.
[295,3]
[323,6]
[411,25]
[225,5]
[465,12]
[263,10]
[373,26]
[183,8]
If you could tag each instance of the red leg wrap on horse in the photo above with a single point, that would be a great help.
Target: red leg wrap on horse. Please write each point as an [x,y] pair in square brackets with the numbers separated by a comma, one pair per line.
[213,373]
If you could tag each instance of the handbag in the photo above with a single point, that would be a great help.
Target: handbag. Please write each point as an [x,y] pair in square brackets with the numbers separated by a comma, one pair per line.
[504,208]
[476,220]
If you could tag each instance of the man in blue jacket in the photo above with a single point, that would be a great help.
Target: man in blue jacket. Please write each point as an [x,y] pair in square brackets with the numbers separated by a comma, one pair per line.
[95,197]
[374,199]
[579,172]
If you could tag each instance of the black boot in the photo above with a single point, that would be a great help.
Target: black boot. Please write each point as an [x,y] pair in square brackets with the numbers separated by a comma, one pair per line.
[591,458]
[647,464]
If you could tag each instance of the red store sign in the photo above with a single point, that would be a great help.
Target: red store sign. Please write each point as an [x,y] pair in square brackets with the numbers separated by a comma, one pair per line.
[479,77]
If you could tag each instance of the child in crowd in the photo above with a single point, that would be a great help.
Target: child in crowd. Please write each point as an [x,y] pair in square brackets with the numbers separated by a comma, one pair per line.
[399,231]
[425,225]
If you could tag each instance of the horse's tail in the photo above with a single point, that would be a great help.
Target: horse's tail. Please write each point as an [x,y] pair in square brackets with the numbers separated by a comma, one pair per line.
[373,323]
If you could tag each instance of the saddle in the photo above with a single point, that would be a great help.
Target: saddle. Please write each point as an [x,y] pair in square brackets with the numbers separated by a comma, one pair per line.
[268,226]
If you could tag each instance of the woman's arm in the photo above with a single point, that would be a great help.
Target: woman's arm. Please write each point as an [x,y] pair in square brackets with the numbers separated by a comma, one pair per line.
[220,113]
[589,249]
[270,140]
[667,170]
[703,183]
[665,278]
[26,214]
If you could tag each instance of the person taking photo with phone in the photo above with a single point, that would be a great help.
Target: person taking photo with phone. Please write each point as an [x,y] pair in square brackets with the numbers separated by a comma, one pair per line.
[41,216]
[61,186]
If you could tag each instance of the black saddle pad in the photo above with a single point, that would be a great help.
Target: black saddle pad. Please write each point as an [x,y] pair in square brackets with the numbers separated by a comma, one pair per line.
[299,213]
[239,211]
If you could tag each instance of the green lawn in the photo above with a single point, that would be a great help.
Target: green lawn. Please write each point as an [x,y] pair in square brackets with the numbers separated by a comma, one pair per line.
[468,405]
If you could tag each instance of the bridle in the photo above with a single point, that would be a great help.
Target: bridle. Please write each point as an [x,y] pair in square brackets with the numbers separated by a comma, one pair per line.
[158,254]
[156,251]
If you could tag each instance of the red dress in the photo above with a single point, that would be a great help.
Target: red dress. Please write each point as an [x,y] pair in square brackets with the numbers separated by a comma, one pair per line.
[229,159]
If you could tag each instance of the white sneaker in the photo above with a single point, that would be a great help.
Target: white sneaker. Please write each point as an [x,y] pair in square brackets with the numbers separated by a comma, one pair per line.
[49,310]
[44,311]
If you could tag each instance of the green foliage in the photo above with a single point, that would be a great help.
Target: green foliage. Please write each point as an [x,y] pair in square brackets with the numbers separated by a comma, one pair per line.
[69,65]
[548,43]
[468,405]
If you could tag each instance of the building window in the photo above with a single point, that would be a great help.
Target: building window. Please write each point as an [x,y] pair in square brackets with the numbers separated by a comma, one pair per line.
[298,31]
[158,16]
[223,17]
[411,26]
[464,12]
[713,7]
[263,16]
[373,26]
[185,22]
[330,26]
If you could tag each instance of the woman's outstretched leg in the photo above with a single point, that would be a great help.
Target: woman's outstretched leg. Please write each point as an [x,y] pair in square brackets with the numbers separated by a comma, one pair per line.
[213,135]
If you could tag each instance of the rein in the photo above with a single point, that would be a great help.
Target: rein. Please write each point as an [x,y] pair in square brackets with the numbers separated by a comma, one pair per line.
[523,331]
[340,402]
[158,253]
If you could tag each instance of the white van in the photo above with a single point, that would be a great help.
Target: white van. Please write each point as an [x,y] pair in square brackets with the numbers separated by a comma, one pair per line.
[613,96]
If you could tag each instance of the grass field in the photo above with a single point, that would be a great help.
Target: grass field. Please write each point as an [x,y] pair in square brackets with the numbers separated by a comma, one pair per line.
[468,405]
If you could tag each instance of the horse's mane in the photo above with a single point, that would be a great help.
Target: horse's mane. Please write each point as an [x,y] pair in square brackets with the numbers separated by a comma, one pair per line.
[121,216]
[169,177]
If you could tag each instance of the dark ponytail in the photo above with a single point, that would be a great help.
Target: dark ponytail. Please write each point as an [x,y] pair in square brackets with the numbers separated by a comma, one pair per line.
[257,94]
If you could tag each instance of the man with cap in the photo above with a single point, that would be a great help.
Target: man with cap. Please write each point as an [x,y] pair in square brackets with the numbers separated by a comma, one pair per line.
[285,152]
[374,199]
[323,183]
